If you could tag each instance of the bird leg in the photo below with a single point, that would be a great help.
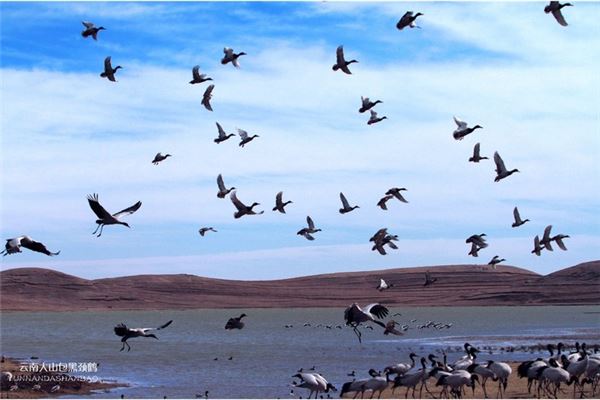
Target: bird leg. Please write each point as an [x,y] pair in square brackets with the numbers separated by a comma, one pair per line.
[98,227]
[101,228]
[358,334]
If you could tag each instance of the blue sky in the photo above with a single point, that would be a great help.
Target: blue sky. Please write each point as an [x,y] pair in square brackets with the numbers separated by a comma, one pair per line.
[532,84]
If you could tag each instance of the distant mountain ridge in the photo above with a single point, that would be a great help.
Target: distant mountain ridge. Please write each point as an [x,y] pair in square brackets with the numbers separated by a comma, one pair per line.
[38,289]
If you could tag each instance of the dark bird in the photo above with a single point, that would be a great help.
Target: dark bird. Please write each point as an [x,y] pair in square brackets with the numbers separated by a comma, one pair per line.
[232,57]
[495,261]
[373,119]
[547,239]
[309,230]
[197,77]
[202,231]
[128,333]
[429,280]
[235,322]
[346,208]
[341,63]
[478,240]
[555,8]
[462,130]
[518,220]
[537,247]
[207,96]
[280,204]
[245,138]
[476,157]
[354,316]
[159,157]
[109,71]
[14,246]
[367,104]
[390,327]
[559,241]
[501,171]
[408,20]
[91,30]
[396,193]
[382,202]
[105,218]
[223,191]
[243,209]
[223,136]
[474,250]
[382,238]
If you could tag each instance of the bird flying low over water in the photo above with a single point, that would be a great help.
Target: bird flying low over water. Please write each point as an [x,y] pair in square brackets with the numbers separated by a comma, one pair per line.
[109,71]
[223,136]
[14,245]
[501,171]
[462,130]
[518,220]
[91,30]
[346,208]
[105,218]
[476,157]
[203,231]
[373,119]
[230,56]
[367,104]
[383,285]
[207,96]
[245,138]
[555,8]
[242,209]
[309,230]
[223,191]
[340,62]
[280,204]
[235,322]
[354,316]
[197,77]
[408,20]
[128,333]
[160,157]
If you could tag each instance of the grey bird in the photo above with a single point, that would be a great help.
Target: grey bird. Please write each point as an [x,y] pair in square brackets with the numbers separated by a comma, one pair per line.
[91,30]
[340,62]
[382,202]
[408,20]
[128,333]
[197,77]
[518,221]
[501,171]
[159,157]
[462,129]
[223,136]
[476,157]
[280,204]
[207,96]
[309,230]
[230,56]
[396,193]
[367,104]
[243,209]
[555,8]
[203,231]
[373,119]
[14,245]
[223,191]
[245,138]
[109,71]
[495,261]
[346,208]
[105,218]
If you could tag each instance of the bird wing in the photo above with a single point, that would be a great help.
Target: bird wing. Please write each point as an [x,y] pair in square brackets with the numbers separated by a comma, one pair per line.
[279,199]
[382,283]
[157,157]
[121,330]
[236,202]
[308,236]
[373,114]
[339,55]
[546,237]
[405,20]
[220,183]
[383,200]
[377,310]
[476,150]
[461,124]
[378,235]
[88,24]
[97,208]
[499,163]
[128,210]
[558,241]
[559,17]
[365,101]
[517,216]
[243,134]
[196,73]
[222,132]
[30,244]
[344,201]
[206,97]
[107,65]
[309,221]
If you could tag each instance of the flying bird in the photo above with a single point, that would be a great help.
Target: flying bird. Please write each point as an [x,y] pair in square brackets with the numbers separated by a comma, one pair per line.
[14,245]
[309,230]
[223,191]
[429,280]
[159,157]
[105,218]
[555,8]
[223,136]
[91,30]
[396,193]
[383,285]
[207,96]
[367,104]
[390,327]
[537,247]
[242,209]
[478,240]
[346,208]
[476,157]
[245,138]
[109,71]
[202,231]
[382,238]
[462,130]
[341,63]
[495,261]
[408,20]
[547,239]
[373,119]
[559,241]
[382,202]
[501,171]
[232,57]
[474,250]
[197,77]
[354,316]
[235,322]
[128,333]
[280,204]
[518,220]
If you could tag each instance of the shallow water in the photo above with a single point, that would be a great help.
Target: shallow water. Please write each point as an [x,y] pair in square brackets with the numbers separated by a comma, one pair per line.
[265,353]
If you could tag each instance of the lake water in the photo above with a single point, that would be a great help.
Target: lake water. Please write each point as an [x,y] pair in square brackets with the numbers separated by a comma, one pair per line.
[266,353]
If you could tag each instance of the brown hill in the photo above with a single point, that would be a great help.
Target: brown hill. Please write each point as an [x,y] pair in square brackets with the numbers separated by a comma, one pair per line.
[36,289]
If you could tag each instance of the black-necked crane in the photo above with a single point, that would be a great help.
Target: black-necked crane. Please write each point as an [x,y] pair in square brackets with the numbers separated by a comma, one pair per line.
[354,316]
[14,245]
[377,383]
[355,386]
[346,208]
[91,30]
[280,204]
[223,191]
[495,261]
[485,374]
[462,129]
[555,8]
[501,171]
[309,230]
[401,368]
[340,61]
[245,137]
[396,193]
[128,333]
[367,104]
[243,209]
[429,280]
[408,20]
[383,285]
[373,119]
[382,202]
[109,71]
[204,230]
[476,154]
[410,380]
[502,371]
[223,136]
[456,381]
[518,221]
[235,322]
[160,157]
[230,56]
[197,77]
[207,96]
[314,382]
[105,218]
